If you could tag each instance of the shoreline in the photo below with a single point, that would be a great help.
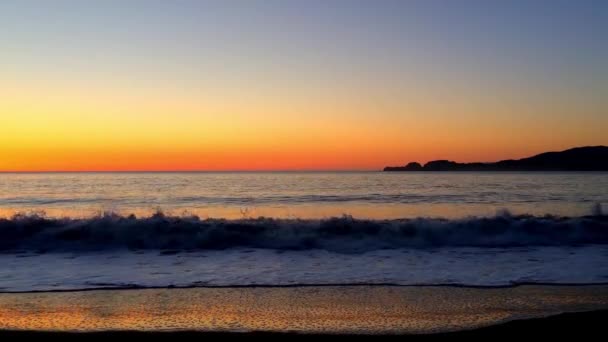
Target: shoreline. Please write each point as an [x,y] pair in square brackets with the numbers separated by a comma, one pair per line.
[305,285]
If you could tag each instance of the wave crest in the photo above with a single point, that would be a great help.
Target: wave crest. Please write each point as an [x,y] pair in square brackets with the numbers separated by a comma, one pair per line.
[341,234]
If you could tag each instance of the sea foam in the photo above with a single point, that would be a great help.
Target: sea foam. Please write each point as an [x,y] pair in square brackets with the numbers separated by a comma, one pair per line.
[337,234]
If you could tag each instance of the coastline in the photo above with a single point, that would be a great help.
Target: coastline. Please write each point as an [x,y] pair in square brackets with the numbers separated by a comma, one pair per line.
[303,285]
[587,158]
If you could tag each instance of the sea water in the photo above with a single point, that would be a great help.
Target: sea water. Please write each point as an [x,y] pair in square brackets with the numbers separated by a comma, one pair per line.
[64,231]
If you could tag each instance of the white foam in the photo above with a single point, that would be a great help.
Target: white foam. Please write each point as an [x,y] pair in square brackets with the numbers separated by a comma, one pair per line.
[341,234]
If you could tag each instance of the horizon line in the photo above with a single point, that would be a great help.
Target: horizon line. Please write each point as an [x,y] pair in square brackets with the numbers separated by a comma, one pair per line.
[189,171]
[269,170]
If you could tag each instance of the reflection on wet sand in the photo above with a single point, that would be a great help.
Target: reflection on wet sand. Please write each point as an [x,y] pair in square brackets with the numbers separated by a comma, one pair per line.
[332,309]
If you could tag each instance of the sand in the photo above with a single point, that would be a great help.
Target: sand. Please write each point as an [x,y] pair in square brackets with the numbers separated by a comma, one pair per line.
[309,310]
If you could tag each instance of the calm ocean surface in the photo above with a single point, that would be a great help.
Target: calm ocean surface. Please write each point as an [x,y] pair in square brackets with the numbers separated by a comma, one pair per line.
[304,195]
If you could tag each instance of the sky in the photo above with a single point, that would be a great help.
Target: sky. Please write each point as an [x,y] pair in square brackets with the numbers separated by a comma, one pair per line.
[296,85]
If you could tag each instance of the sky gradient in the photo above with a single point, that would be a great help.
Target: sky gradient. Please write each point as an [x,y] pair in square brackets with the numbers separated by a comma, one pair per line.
[296,85]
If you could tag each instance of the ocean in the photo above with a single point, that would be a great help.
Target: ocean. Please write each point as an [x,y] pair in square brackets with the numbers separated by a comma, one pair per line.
[376,195]
[71,231]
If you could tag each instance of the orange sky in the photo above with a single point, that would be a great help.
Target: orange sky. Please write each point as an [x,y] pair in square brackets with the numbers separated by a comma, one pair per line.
[89,126]
[162,87]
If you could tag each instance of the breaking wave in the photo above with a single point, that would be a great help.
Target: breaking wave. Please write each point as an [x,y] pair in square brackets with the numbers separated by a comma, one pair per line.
[340,234]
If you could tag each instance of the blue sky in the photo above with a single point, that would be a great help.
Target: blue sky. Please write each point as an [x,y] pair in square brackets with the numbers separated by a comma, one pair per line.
[430,67]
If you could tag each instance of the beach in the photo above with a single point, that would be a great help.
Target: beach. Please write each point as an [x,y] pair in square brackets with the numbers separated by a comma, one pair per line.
[303,169]
[342,310]
[447,261]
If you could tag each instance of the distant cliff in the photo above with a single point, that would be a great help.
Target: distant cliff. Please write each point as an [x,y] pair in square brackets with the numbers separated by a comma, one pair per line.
[591,158]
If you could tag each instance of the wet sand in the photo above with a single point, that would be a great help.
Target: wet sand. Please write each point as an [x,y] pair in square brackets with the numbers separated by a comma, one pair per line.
[384,310]
[585,325]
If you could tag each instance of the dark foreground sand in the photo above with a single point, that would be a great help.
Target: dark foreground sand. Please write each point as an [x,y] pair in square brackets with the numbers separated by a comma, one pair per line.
[584,325]
[392,311]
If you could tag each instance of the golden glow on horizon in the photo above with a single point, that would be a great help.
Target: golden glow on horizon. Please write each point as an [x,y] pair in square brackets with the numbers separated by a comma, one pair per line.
[84,127]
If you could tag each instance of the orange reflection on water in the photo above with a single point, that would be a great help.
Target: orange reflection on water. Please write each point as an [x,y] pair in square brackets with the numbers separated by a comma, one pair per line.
[346,309]
[387,211]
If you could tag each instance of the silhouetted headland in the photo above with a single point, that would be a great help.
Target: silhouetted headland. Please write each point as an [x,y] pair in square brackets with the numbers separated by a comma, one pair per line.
[590,158]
